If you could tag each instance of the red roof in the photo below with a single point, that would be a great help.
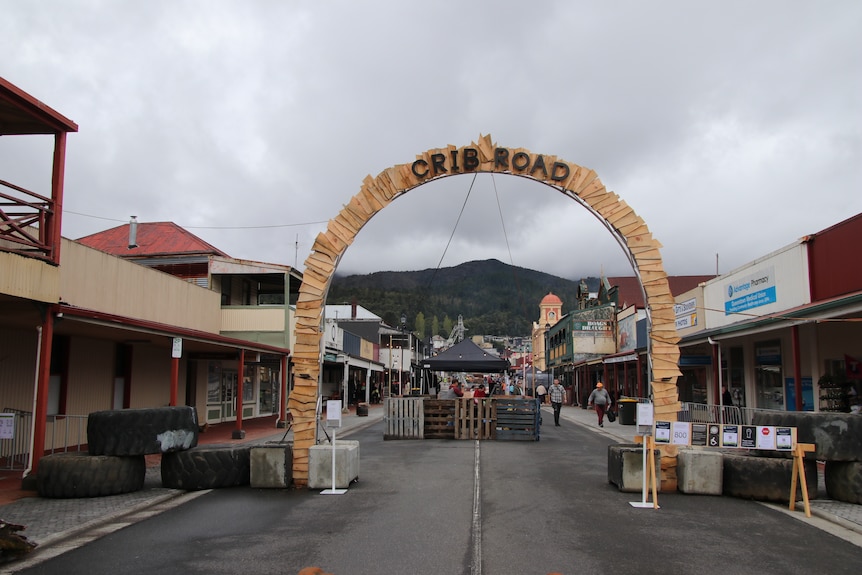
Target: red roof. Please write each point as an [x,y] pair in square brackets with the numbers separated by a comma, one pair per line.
[153,239]
[629,288]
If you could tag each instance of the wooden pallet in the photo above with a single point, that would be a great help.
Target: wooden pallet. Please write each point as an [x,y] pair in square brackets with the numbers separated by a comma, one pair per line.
[517,419]
[404,418]
[439,418]
[474,418]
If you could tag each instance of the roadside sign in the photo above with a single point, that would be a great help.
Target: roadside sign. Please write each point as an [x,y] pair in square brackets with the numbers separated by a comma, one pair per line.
[177,348]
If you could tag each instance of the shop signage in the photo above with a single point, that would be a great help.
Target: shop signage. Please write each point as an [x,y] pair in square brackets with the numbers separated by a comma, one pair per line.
[467,160]
[686,313]
[754,290]
[591,327]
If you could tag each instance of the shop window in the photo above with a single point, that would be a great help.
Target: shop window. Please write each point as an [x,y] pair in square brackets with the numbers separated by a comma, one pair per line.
[732,374]
[692,385]
[768,382]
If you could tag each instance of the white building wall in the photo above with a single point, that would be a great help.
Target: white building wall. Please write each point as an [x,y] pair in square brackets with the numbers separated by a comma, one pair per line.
[771,284]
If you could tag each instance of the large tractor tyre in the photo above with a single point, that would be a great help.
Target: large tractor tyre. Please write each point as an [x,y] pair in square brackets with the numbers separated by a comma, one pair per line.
[844,481]
[142,431]
[207,467]
[78,474]
[837,436]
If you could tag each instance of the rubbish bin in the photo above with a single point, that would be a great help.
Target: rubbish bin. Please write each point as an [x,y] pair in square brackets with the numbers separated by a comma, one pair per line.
[362,410]
[628,409]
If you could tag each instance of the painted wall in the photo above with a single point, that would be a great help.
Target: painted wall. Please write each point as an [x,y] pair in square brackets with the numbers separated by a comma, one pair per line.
[773,283]
[91,375]
[17,368]
[29,278]
[134,291]
[151,377]
[835,254]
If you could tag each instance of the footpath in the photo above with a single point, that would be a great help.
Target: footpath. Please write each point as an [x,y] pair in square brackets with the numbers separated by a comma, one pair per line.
[58,525]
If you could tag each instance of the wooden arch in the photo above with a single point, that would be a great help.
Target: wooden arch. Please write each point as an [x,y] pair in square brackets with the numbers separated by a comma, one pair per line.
[579,183]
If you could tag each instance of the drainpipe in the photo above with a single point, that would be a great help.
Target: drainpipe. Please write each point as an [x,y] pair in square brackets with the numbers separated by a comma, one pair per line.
[35,393]
[43,376]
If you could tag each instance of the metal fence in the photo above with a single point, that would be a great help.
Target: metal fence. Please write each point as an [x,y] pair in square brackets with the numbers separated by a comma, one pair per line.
[66,433]
[62,433]
[708,413]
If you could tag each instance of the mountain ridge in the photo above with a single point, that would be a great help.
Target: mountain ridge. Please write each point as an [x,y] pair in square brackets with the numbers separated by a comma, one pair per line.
[493,297]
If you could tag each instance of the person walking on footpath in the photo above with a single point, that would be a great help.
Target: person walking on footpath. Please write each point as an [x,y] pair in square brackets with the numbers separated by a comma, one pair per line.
[557,393]
[600,399]
[541,392]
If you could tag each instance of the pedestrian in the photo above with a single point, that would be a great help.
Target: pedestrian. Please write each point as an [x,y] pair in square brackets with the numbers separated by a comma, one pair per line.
[600,399]
[726,397]
[453,392]
[558,395]
[541,392]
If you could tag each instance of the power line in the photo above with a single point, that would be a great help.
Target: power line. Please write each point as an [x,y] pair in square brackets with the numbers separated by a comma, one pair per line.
[207,227]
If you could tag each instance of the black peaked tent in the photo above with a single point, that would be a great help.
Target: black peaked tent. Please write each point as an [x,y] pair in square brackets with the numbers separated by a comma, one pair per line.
[466,356]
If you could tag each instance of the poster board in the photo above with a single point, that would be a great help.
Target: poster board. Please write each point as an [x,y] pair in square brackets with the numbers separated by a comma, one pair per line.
[728,436]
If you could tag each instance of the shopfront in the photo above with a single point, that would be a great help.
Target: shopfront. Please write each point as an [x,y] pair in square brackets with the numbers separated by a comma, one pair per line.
[260,390]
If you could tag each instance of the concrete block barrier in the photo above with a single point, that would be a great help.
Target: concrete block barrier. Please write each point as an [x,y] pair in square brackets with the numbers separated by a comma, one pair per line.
[700,472]
[271,465]
[625,466]
[764,478]
[837,436]
[320,465]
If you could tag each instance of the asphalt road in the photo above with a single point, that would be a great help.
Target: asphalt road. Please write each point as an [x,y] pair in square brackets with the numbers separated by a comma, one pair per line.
[427,507]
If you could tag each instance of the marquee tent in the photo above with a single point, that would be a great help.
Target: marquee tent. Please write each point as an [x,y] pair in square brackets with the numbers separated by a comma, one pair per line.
[466,356]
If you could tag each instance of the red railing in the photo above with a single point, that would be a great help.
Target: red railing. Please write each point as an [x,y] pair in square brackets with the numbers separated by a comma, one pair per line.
[25,223]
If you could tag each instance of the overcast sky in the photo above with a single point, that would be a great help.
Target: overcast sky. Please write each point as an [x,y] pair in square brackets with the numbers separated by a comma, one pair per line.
[733,128]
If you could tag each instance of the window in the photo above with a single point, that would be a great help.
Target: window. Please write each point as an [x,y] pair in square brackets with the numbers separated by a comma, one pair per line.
[226,290]
[767,375]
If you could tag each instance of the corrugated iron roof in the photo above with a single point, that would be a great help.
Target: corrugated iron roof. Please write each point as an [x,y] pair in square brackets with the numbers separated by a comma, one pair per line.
[153,239]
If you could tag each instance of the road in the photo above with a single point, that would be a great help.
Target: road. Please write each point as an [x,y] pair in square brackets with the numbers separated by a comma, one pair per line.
[453,507]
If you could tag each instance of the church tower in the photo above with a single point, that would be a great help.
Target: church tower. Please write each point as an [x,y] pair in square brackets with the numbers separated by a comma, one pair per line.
[551,308]
[550,312]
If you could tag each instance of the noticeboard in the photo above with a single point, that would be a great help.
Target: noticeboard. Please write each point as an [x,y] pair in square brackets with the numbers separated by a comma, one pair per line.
[765,437]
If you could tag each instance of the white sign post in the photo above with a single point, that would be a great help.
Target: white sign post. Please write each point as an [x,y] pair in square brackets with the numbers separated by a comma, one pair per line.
[333,420]
[644,426]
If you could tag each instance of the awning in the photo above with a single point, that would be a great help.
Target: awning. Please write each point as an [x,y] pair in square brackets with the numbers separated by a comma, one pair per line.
[620,358]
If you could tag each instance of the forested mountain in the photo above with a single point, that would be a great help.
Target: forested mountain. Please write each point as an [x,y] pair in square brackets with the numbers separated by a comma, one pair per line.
[493,297]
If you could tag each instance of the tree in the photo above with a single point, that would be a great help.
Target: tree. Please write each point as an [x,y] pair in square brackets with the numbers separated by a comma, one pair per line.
[435,326]
[419,325]
[447,326]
